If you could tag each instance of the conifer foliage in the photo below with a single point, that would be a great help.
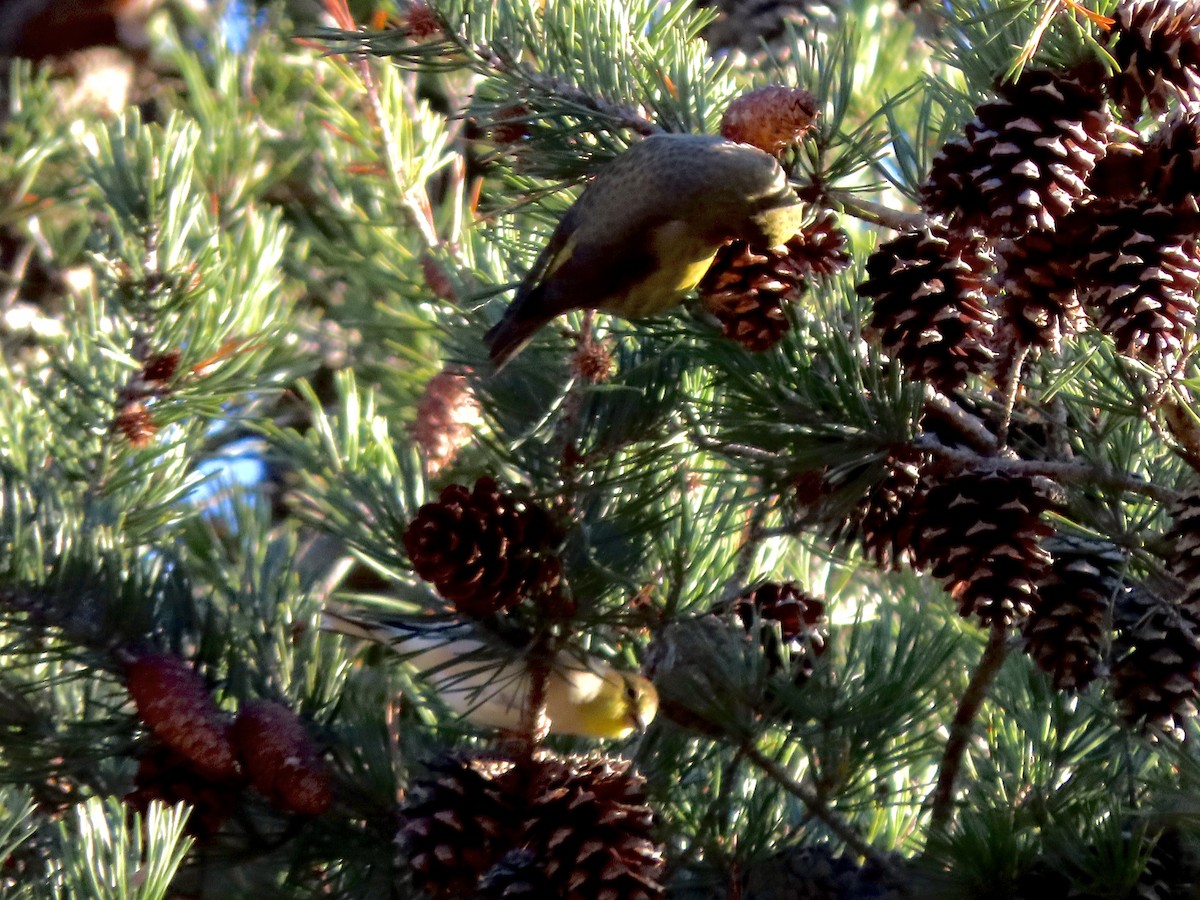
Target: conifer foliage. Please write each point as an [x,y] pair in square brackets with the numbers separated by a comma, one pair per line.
[894,524]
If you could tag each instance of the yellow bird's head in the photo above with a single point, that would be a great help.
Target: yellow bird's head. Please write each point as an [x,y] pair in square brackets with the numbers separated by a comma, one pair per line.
[626,702]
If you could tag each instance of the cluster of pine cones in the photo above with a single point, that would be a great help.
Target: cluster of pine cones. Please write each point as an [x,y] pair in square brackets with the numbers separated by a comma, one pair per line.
[1050,216]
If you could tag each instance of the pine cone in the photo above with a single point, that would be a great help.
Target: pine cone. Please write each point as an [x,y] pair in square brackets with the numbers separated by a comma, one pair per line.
[770,118]
[982,533]
[802,624]
[173,701]
[1026,156]
[1171,163]
[167,776]
[931,311]
[588,823]
[746,289]
[1157,45]
[1066,633]
[281,759]
[518,874]
[1156,666]
[883,519]
[1184,538]
[447,415]
[484,549]
[570,827]
[1141,276]
[459,822]
[819,250]
[1039,276]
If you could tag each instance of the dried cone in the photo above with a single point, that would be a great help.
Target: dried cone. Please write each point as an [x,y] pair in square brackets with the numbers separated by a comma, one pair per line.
[770,118]
[1039,275]
[746,289]
[1141,276]
[1184,538]
[1026,156]
[819,250]
[931,311]
[136,423]
[459,822]
[1171,164]
[802,623]
[422,22]
[484,549]
[1156,660]
[447,415]
[517,875]
[174,703]
[575,828]
[1156,43]
[982,532]
[883,520]
[281,759]
[166,776]
[1066,634]
[589,826]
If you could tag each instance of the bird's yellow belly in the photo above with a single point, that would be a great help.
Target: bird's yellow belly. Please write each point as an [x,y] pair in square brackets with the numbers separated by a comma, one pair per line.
[663,289]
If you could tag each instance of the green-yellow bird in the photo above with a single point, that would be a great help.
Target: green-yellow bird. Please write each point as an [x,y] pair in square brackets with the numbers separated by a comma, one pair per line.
[489,688]
[645,230]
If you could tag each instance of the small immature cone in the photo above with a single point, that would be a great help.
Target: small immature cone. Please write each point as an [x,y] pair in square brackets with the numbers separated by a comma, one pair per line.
[281,759]
[770,118]
[173,701]
[447,414]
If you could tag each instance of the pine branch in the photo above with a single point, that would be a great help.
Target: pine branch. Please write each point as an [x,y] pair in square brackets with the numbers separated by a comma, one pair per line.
[1064,473]
[817,807]
[941,801]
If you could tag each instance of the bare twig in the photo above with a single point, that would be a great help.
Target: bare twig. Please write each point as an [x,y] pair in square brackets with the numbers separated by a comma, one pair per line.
[1061,472]
[941,801]
[970,427]
[1012,386]
[875,213]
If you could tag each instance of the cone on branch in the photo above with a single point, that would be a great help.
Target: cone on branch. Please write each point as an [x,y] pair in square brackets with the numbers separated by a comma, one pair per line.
[930,303]
[447,415]
[771,118]
[801,619]
[1156,44]
[174,703]
[747,288]
[485,549]
[1039,277]
[572,827]
[982,533]
[1067,633]
[281,759]
[1156,660]
[1141,276]
[1024,160]
[883,519]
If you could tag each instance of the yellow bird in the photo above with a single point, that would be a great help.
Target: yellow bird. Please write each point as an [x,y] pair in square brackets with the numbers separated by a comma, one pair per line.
[586,698]
[645,230]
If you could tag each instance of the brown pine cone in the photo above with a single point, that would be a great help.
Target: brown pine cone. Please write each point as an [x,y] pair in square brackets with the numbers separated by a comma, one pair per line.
[484,549]
[174,703]
[281,758]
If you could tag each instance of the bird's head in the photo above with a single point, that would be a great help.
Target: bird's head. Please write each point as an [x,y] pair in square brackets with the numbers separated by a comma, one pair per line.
[628,702]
